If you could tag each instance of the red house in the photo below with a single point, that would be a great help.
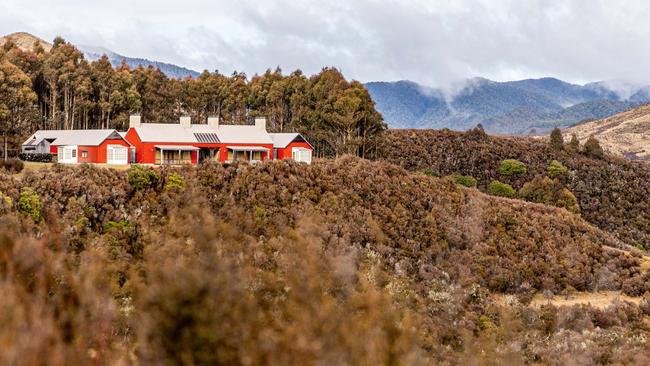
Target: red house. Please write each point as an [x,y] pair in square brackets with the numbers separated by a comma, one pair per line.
[187,143]
[80,146]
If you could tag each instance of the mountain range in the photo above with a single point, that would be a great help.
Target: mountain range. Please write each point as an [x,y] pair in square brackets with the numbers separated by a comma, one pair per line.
[531,106]
[26,41]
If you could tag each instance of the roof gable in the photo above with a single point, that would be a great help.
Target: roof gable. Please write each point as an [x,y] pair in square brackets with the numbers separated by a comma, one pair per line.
[74,137]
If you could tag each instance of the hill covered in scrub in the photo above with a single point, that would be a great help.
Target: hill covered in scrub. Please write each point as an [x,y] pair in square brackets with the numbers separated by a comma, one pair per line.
[343,261]
[612,192]
[626,133]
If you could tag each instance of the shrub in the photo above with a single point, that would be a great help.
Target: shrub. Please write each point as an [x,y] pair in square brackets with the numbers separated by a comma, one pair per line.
[6,203]
[30,203]
[12,165]
[497,188]
[464,180]
[593,149]
[557,141]
[36,157]
[574,145]
[141,178]
[511,167]
[556,169]
[174,181]
[549,192]
[429,172]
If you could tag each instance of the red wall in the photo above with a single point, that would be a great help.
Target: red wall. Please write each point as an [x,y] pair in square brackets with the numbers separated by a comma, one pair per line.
[145,151]
[92,154]
[53,149]
[101,151]
[285,153]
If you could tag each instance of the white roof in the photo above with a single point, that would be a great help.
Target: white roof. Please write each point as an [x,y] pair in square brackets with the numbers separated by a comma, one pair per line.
[281,140]
[164,132]
[243,134]
[72,137]
[176,147]
[174,132]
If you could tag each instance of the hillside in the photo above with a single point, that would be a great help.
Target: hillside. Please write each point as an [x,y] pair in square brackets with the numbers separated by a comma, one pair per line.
[344,261]
[612,192]
[516,107]
[25,41]
[626,133]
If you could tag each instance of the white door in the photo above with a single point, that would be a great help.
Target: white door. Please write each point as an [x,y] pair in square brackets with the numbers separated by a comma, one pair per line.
[116,154]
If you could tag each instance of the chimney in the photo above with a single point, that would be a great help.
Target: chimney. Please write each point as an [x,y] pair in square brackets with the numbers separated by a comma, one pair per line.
[213,121]
[134,120]
[186,121]
[260,122]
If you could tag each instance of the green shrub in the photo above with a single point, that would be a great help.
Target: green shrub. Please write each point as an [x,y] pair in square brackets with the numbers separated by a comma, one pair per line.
[429,172]
[174,181]
[30,203]
[557,141]
[556,169]
[511,167]
[6,203]
[593,149]
[574,145]
[141,178]
[464,180]
[549,192]
[500,189]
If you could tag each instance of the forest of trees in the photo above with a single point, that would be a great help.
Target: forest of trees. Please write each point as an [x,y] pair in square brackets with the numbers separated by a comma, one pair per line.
[61,90]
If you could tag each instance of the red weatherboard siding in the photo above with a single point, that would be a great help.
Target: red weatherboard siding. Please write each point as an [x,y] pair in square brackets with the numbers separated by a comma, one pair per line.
[145,152]
[285,153]
[101,151]
[53,149]
[92,154]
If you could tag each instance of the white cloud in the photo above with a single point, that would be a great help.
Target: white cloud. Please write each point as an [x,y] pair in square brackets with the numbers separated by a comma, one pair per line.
[432,42]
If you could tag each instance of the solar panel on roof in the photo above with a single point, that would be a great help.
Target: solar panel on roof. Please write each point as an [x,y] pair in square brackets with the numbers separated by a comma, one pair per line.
[210,138]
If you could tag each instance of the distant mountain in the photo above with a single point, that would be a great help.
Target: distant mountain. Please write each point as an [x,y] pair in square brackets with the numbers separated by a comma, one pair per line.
[173,71]
[626,133]
[515,107]
[26,41]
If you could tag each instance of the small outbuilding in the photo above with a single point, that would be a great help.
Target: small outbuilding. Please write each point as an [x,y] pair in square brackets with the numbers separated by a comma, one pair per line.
[80,146]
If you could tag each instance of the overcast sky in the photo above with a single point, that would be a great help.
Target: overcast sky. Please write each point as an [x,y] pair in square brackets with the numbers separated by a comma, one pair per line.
[431,42]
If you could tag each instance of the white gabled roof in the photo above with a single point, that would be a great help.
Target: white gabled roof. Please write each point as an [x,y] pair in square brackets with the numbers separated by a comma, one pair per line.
[227,134]
[72,137]
[281,140]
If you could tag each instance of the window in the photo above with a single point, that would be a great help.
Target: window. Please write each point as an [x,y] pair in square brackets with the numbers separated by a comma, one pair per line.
[84,154]
[74,153]
[301,154]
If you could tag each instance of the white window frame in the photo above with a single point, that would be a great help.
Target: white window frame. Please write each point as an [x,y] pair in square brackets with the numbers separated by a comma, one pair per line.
[110,155]
[301,155]
[68,154]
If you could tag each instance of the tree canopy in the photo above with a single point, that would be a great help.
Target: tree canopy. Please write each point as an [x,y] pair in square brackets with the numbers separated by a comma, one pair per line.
[67,92]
